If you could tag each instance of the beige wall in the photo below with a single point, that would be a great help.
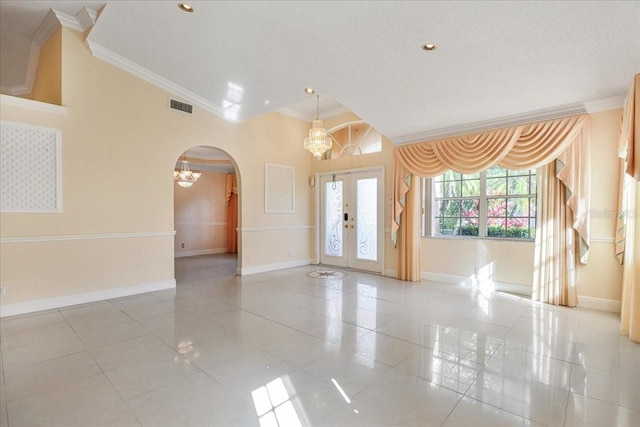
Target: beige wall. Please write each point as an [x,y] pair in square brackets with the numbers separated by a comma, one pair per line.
[200,216]
[120,144]
[602,277]
[47,84]
[511,261]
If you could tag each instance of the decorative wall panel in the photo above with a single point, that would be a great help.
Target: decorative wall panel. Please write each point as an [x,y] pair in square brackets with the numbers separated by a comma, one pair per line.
[30,172]
[279,188]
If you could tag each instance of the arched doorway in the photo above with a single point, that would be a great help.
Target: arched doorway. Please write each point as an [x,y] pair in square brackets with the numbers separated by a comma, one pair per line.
[206,214]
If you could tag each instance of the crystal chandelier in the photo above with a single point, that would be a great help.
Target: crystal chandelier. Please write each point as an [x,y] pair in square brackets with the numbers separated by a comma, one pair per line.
[317,142]
[185,177]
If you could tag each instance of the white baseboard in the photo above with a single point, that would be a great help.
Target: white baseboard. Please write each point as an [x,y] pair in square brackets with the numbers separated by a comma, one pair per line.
[390,273]
[183,254]
[83,298]
[512,288]
[599,304]
[243,271]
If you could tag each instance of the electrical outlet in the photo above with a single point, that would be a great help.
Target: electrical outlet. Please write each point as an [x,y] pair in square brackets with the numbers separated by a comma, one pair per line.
[182,246]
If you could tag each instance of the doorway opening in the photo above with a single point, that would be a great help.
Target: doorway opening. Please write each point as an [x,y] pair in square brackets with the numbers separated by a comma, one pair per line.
[206,214]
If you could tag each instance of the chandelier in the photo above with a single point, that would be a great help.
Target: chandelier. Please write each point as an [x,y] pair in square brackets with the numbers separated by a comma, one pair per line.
[185,177]
[317,142]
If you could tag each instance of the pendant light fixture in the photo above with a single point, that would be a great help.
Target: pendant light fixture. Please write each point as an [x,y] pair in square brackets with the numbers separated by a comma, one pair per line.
[317,142]
[184,176]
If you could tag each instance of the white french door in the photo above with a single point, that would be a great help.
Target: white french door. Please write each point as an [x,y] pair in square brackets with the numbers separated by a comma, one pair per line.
[351,220]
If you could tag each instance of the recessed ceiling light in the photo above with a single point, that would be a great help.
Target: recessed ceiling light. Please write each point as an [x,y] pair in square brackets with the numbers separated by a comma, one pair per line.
[185,7]
[309,90]
[429,47]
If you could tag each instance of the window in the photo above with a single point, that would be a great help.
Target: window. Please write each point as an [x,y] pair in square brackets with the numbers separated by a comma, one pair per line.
[496,203]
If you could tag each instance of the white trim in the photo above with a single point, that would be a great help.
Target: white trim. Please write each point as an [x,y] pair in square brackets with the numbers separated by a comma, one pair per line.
[389,272]
[332,113]
[604,104]
[513,288]
[294,114]
[198,252]
[217,224]
[68,21]
[354,170]
[139,71]
[83,20]
[310,117]
[599,304]
[275,228]
[602,240]
[38,239]
[86,18]
[83,298]
[243,271]
[30,74]
[46,29]
[58,159]
[513,120]
[32,105]
[268,183]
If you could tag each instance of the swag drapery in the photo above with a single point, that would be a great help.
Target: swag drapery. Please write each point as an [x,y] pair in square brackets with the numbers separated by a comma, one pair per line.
[231,197]
[627,229]
[519,147]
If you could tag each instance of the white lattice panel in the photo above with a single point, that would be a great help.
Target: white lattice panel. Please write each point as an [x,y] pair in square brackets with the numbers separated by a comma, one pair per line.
[29,168]
[279,189]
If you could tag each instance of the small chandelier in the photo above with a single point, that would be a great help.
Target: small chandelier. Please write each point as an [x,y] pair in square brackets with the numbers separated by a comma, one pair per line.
[317,142]
[185,177]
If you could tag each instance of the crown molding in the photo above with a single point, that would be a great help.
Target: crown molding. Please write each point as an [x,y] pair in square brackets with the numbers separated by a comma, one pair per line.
[33,105]
[149,76]
[86,18]
[67,21]
[294,114]
[30,75]
[83,20]
[46,28]
[335,112]
[309,117]
[594,106]
[484,125]
[604,104]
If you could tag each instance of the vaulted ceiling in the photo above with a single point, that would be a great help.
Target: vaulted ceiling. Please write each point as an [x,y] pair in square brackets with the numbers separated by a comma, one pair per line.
[494,62]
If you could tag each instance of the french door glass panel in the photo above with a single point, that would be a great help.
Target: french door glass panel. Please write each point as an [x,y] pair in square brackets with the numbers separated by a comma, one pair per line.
[367,219]
[350,214]
[333,241]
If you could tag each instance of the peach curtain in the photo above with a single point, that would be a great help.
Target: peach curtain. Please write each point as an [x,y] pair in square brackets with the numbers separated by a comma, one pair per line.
[554,267]
[627,233]
[629,153]
[409,235]
[519,147]
[232,213]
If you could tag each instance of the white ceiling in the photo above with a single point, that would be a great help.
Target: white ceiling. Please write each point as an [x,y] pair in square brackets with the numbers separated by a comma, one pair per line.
[495,61]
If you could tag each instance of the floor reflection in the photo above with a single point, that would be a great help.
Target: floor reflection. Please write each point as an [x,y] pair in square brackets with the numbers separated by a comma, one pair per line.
[274,404]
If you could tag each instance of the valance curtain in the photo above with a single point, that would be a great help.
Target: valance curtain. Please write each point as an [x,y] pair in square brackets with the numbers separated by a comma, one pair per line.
[231,196]
[627,230]
[517,148]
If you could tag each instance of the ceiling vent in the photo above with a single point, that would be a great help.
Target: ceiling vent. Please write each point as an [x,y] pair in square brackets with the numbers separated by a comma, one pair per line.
[180,106]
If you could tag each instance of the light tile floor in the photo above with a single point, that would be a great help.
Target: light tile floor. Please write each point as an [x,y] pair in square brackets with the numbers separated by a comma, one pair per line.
[285,349]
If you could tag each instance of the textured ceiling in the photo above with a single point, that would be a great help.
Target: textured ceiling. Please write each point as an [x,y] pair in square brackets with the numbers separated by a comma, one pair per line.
[494,60]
